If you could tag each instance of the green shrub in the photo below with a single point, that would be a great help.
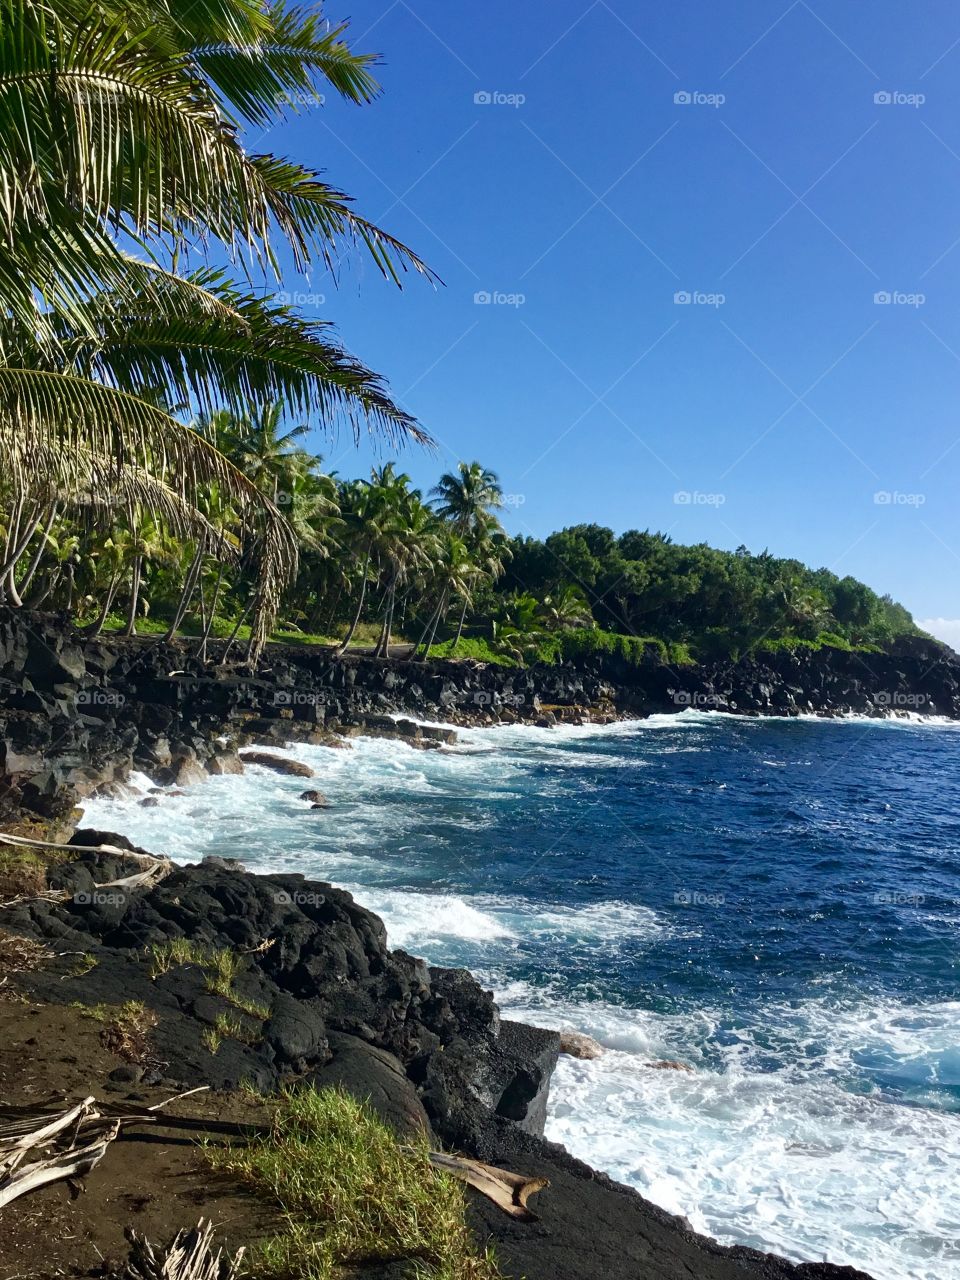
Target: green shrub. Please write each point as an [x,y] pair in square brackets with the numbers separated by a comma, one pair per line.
[351,1195]
[632,650]
[472,647]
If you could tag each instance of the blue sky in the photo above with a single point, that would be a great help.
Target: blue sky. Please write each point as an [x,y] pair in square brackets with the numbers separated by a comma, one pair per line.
[723,249]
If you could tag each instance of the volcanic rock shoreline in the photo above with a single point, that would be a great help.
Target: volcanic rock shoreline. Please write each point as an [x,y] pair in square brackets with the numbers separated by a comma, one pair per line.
[78,713]
[319,996]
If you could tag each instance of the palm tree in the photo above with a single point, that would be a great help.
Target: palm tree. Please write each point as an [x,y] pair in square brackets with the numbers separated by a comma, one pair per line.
[265,450]
[469,500]
[408,543]
[454,573]
[118,127]
[565,610]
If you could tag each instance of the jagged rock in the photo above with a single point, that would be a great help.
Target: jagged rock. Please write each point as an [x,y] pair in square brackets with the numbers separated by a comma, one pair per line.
[378,1077]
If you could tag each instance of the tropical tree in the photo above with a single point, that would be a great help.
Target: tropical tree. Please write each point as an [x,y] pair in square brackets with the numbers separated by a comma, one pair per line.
[120,128]
[469,500]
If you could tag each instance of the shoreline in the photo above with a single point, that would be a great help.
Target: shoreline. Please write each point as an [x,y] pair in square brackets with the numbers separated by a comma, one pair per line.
[265,791]
[188,726]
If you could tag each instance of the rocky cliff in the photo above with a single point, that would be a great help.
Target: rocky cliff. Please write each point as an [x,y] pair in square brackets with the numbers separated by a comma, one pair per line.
[77,713]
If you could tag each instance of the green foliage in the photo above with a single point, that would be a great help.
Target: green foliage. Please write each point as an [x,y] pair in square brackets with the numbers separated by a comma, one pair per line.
[632,650]
[825,640]
[220,965]
[351,1195]
[476,648]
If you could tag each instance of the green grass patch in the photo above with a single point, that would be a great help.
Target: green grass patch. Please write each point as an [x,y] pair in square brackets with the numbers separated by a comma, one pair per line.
[825,640]
[220,965]
[475,647]
[351,1195]
[632,650]
[126,1027]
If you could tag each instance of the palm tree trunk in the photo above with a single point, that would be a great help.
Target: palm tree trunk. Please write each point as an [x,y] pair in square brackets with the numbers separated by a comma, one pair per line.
[213,613]
[38,554]
[135,578]
[342,647]
[430,629]
[189,583]
[383,644]
[463,614]
[97,626]
[17,543]
[441,614]
[236,630]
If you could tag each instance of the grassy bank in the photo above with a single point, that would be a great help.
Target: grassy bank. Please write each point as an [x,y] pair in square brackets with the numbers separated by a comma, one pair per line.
[350,1194]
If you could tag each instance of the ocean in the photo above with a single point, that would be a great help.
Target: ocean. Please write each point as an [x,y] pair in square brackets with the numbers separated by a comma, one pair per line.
[772,903]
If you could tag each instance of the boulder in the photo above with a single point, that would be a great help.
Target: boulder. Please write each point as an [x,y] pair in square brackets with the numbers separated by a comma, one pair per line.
[295,1030]
[279,764]
[377,1077]
[577,1045]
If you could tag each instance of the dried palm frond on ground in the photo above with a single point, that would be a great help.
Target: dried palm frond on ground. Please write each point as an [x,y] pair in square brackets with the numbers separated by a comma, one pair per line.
[20,955]
[29,859]
[63,1141]
[190,1256]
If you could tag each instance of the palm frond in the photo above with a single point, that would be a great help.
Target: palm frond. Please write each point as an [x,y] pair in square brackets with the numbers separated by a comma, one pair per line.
[277,72]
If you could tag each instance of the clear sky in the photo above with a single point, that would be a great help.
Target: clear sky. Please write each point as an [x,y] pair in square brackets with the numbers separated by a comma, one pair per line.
[791,169]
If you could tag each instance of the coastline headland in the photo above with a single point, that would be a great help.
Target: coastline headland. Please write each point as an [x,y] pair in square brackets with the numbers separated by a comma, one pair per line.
[80,713]
[331,1002]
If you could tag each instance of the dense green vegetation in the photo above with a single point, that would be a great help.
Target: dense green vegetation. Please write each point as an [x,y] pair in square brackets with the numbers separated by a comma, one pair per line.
[378,560]
[125,184]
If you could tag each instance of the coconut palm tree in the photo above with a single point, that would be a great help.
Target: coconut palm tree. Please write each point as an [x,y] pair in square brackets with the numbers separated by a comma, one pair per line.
[454,573]
[119,126]
[469,500]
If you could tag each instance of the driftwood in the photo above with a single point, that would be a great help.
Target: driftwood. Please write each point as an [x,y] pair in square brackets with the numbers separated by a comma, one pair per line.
[69,1141]
[190,1256]
[154,867]
[130,855]
[510,1191]
[65,1144]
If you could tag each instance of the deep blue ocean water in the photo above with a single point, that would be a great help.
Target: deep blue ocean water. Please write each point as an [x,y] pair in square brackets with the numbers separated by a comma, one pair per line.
[774,904]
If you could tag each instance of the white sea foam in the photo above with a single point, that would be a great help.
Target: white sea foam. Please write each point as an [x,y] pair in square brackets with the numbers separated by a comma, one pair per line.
[785,1159]
[777,1139]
